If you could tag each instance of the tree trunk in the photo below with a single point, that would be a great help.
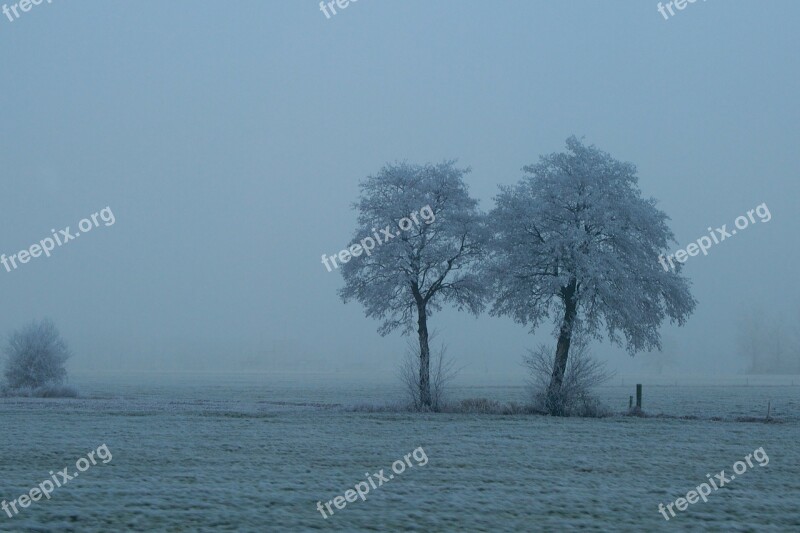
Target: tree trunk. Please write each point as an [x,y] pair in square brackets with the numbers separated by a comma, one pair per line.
[424,358]
[554,402]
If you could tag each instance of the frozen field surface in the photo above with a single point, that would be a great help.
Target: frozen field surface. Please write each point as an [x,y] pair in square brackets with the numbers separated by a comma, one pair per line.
[253,455]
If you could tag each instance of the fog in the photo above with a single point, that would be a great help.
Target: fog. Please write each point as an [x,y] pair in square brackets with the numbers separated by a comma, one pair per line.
[228,140]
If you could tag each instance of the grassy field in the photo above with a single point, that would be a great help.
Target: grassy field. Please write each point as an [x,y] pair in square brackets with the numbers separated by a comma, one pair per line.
[252,455]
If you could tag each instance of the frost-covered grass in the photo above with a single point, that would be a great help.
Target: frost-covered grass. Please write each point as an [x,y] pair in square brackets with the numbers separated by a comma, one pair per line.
[258,456]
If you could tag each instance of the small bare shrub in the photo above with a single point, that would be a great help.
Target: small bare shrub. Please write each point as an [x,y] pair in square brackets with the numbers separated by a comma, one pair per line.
[582,374]
[442,372]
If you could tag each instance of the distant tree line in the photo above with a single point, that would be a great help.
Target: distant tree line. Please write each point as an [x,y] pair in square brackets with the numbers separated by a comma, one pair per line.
[768,346]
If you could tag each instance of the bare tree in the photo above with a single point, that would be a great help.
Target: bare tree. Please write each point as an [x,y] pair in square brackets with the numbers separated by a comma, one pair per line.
[36,355]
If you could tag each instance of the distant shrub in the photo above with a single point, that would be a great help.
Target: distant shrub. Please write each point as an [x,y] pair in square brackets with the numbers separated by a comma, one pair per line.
[479,405]
[35,358]
[485,406]
[514,408]
[590,407]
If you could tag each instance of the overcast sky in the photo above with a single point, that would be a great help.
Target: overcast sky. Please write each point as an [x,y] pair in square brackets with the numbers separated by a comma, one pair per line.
[229,139]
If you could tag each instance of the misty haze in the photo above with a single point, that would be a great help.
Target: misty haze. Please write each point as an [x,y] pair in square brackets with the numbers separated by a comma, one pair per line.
[368,265]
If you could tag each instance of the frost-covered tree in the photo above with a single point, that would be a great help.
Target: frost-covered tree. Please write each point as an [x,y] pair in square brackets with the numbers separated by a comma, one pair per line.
[35,357]
[401,276]
[575,241]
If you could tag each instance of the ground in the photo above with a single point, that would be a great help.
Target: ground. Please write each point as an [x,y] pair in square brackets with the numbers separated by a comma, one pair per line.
[256,454]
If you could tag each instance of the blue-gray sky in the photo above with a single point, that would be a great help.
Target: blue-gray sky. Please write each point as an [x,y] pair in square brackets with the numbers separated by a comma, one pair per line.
[229,140]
